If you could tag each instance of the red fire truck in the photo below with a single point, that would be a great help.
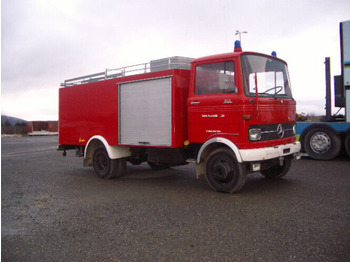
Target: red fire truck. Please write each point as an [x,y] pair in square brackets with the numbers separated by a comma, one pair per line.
[230,114]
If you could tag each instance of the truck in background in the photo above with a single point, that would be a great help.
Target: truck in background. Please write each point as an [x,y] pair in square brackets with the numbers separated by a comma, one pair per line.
[230,114]
[324,140]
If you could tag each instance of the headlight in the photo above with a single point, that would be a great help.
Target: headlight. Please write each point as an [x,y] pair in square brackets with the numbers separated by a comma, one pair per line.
[254,134]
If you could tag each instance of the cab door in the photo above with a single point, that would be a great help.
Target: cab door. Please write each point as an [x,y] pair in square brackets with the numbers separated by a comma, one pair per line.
[212,105]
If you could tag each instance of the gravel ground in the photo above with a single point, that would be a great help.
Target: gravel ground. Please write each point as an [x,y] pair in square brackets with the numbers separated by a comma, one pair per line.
[54,209]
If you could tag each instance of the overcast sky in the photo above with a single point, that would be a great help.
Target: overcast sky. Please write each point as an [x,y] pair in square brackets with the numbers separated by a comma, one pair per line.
[44,42]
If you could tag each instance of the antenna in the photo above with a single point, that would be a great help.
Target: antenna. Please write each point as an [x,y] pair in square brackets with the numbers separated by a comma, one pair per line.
[239,33]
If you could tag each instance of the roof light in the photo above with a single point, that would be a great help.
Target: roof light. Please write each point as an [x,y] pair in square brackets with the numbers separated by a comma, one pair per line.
[238,47]
[273,53]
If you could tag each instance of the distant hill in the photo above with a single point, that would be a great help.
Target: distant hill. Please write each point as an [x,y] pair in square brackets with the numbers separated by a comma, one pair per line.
[11,120]
[13,125]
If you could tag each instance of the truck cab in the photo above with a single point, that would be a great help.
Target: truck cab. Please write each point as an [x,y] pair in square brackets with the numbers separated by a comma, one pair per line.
[233,95]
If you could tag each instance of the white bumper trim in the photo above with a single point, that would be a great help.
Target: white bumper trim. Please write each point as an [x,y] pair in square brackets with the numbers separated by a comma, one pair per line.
[261,154]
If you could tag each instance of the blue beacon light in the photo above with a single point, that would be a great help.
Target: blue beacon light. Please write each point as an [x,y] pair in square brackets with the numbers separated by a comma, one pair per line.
[238,47]
[273,53]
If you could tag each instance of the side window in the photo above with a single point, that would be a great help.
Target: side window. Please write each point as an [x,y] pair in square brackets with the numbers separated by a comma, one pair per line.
[215,78]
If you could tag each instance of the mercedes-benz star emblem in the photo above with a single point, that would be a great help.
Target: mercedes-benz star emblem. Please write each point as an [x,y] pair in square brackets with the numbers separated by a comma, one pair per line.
[280,131]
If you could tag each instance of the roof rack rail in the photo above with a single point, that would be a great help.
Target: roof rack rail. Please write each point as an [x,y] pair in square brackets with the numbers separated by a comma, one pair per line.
[175,62]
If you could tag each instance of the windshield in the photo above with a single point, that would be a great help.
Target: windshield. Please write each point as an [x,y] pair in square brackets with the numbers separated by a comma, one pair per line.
[268,75]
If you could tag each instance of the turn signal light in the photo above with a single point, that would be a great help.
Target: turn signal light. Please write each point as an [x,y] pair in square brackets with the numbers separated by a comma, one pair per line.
[246,117]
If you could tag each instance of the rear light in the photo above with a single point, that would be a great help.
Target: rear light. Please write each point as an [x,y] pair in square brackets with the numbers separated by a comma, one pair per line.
[254,134]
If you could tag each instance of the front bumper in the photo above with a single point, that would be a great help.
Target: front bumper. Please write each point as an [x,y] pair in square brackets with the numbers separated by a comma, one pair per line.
[266,153]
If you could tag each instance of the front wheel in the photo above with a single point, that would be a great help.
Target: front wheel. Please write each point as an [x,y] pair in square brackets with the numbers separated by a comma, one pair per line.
[105,167]
[279,170]
[223,172]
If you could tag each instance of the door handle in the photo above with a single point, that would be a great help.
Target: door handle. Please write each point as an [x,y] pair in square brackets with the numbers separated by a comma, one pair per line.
[195,103]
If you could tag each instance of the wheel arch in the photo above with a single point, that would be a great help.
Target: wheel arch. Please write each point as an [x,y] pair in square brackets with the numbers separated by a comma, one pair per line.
[114,152]
[217,142]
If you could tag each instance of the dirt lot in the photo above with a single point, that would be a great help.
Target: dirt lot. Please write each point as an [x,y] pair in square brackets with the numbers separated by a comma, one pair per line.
[54,209]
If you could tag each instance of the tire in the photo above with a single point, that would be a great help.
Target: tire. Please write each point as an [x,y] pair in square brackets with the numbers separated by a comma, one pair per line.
[347,144]
[322,143]
[107,168]
[223,172]
[277,171]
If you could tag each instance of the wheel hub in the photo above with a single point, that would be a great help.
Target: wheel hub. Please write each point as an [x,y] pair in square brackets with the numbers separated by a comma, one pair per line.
[102,163]
[320,142]
[221,171]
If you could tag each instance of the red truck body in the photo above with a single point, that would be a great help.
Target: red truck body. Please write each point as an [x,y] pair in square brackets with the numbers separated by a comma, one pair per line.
[92,109]
[231,114]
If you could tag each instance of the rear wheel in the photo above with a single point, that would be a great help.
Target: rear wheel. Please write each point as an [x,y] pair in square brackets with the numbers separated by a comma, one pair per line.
[322,143]
[105,167]
[278,170]
[223,172]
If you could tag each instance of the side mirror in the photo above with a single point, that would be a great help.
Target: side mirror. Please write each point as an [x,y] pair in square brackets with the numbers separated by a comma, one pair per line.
[235,89]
